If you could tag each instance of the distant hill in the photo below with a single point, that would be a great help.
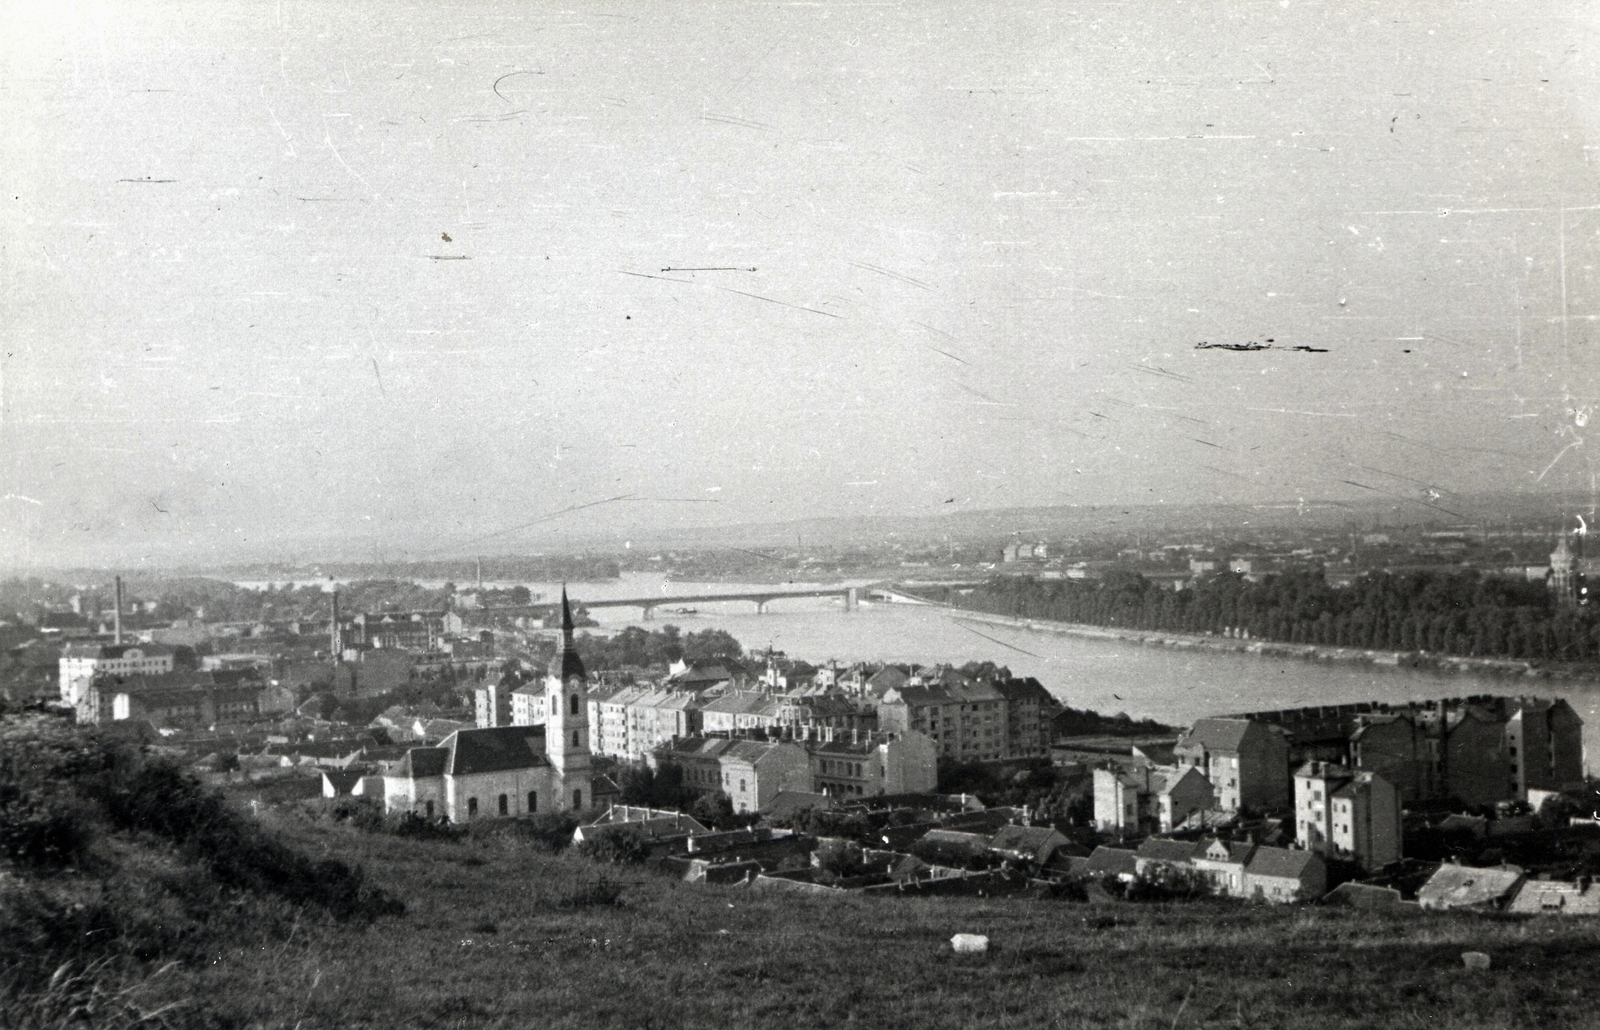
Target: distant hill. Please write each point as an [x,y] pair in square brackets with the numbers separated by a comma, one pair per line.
[1102,520]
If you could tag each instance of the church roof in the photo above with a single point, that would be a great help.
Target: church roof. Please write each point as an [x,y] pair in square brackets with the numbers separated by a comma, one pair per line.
[420,762]
[495,749]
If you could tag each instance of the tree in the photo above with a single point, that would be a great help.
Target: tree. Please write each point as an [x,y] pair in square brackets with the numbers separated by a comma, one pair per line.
[617,845]
[839,859]
[661,787]
[709,644]
[715,810]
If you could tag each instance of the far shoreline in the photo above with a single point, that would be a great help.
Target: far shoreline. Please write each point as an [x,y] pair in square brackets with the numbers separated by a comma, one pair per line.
[1502,667]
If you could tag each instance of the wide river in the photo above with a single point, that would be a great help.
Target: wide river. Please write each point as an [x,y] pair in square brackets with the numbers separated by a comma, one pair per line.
[1174,686]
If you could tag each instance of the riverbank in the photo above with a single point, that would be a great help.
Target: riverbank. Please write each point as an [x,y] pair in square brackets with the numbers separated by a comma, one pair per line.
[1501,667]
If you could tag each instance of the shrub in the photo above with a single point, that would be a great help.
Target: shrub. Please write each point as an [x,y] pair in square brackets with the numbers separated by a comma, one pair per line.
[1071,888]
[551,831]
[414,826]
[361,812]
[1162,882]
[601,892]
[619,845]
[90,781]
[839,860]
[43,833]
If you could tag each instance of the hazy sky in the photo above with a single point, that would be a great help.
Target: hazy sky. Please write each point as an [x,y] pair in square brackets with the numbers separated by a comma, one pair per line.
[285,273]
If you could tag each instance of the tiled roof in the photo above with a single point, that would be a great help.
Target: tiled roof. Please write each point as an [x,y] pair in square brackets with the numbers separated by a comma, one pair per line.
[695,747]
[712,672]
[1279,862]
[1362,895]
[1453,886]
[1216,734]
[753,751]
[1113,860]
[1028,689]
[495,749]
[1556,897]
[422,762]
[955,840]
[787,803]
[1235,851]
[79,649]
[1025,838]
[1163,850]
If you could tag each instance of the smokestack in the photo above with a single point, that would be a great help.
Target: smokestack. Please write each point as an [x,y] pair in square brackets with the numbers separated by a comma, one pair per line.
[333,627]
[116,616]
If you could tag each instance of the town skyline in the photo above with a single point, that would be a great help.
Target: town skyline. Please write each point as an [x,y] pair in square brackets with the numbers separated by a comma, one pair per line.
[288,275]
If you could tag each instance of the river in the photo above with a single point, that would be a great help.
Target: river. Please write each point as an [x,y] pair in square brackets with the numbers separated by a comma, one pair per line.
[1174,686]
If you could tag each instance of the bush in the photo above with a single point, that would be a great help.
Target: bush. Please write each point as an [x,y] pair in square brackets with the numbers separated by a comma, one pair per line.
[44,825]
[416,827]
[361,812]
[59,786]
[601,892]
[43,833]
[839,860]
[619,845]
[551,831]
[1162,882]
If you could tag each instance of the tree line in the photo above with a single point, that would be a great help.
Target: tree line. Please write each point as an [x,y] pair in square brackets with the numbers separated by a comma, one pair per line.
[1464,613]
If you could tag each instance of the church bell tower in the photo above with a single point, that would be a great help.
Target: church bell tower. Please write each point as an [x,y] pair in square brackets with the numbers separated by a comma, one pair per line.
[566,740]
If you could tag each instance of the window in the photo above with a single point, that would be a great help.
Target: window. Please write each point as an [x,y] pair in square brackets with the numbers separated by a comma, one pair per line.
[577,799]
[574,738]
[472,807]
[429,808]
[533,801]
[574,704]
[741,785]
[504,805]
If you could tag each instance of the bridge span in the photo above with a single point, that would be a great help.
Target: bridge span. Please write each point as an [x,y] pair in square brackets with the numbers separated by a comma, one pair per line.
[648,605]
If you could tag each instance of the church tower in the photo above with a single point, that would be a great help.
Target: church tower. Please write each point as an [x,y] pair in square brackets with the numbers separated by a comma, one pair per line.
[1563,572]
[566,733]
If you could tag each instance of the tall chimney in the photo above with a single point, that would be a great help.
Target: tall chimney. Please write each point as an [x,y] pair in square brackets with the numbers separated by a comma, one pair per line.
[333,627]
[116,616]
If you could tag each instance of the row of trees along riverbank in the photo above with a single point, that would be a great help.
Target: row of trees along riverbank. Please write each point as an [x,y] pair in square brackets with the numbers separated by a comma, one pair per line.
[1457,613]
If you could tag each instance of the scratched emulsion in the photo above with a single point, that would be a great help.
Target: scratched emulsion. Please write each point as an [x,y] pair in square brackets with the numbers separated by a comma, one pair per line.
[294,276]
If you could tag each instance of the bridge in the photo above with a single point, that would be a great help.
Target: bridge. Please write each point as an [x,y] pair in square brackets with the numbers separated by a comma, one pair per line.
[648,605]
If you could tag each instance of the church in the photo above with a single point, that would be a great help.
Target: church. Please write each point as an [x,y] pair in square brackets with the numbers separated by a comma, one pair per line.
[1571,570]
[507,770]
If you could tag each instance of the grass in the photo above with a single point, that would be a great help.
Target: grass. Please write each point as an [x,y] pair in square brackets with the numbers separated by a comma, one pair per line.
[497,931]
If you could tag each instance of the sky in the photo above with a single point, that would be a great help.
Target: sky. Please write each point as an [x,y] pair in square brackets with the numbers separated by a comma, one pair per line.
[288,280]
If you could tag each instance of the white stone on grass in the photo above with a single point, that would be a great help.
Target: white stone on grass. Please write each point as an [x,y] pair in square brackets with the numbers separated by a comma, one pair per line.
[969,943]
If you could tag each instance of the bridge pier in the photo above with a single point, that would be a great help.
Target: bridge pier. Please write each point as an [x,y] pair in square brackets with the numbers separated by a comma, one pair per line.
[851,599]
[649,613]
[761,606]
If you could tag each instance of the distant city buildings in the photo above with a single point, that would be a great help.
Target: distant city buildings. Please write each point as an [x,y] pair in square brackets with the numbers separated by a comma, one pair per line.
[82,662]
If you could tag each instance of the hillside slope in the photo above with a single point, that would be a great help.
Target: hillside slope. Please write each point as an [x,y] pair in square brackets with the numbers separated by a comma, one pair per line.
[499,931]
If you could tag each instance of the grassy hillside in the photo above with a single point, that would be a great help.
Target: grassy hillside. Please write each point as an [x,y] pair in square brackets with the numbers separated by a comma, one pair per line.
[498,931]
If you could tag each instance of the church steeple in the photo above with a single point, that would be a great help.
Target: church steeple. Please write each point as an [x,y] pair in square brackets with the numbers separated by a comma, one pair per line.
[565,663]
[566,741]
